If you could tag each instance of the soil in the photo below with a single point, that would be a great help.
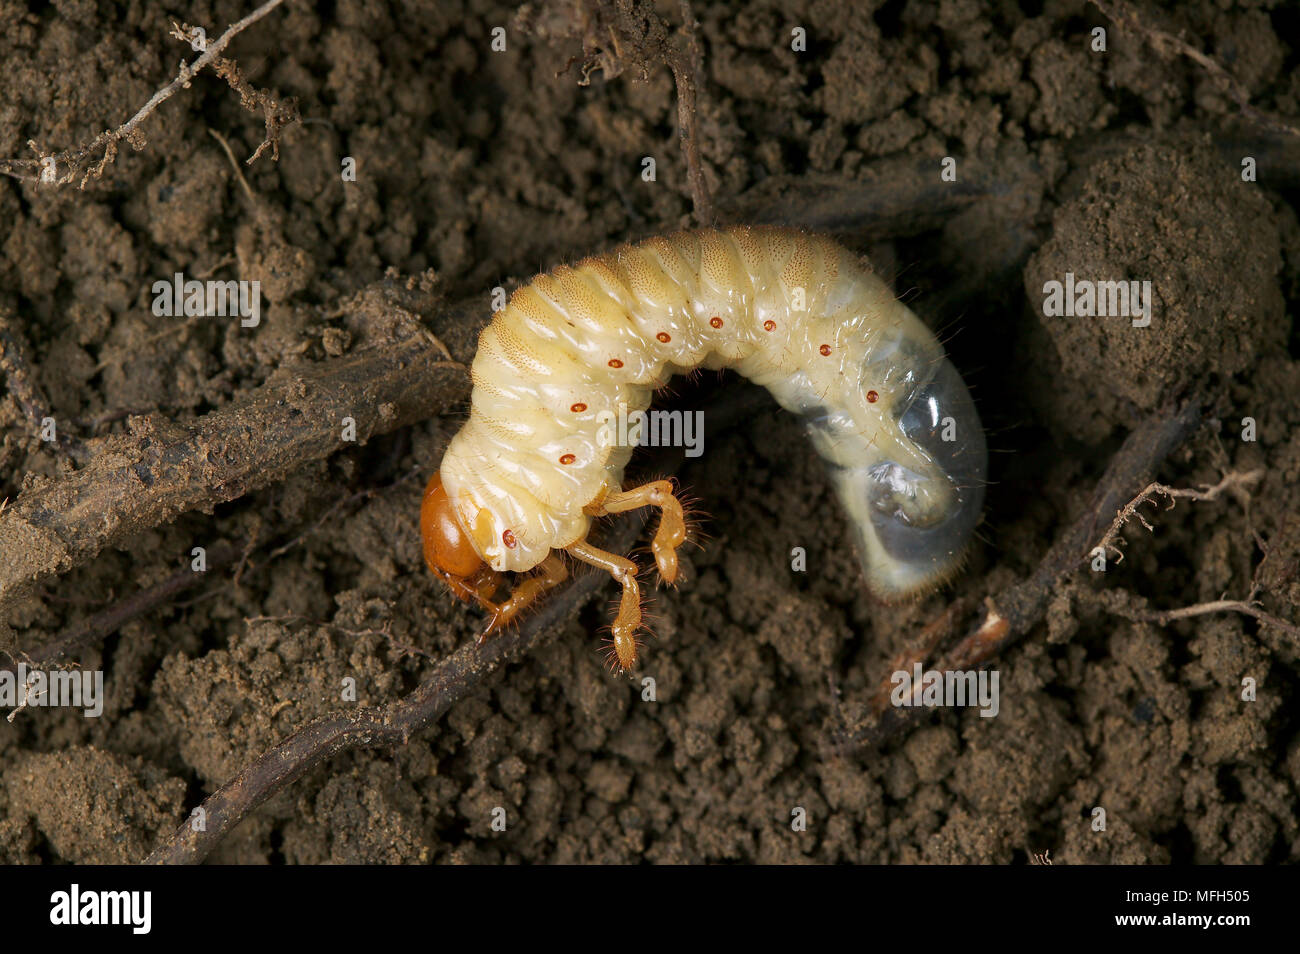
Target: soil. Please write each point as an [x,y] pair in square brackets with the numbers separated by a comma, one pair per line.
[477,168]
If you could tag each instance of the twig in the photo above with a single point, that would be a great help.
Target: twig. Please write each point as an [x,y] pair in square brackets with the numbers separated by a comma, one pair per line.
[239,173]
[685,62]
[623,33]
[934,632]
[1230,480]
[393,725]
[99,626]
[1248,607]
[384,727]
[276,114]
[168,469]
[47,165]
[26,696]
[1167,46]
[1010,615]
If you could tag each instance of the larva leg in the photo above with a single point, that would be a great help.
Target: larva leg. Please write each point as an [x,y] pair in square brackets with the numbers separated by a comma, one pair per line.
[629,608]
[672,520]
[476,588]
[553,573]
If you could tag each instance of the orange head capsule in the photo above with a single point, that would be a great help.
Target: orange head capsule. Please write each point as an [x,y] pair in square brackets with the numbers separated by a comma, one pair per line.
[448,549]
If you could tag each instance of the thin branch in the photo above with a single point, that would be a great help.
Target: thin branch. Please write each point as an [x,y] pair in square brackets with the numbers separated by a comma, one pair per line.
[684,60]
[47,166]
[1167,46]
[277,114]
[1247,607]
[99,626]
[379,727]
[166,469]
[453,679]
[1230,481]
[1010,615]
[239,173]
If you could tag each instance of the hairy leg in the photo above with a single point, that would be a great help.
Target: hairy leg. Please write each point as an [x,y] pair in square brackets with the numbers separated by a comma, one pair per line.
[528,591]
[671,533]
[628,619]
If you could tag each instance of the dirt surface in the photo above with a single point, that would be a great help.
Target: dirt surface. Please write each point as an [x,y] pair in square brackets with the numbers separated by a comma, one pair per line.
[476,168]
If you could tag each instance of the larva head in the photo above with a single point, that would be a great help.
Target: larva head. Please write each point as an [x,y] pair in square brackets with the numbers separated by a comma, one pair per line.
[448,549]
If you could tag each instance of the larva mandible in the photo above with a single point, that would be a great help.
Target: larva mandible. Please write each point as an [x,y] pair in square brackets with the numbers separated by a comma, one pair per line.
[795,312]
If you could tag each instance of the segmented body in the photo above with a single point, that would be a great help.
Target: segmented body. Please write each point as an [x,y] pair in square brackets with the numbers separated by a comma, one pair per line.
[794,312]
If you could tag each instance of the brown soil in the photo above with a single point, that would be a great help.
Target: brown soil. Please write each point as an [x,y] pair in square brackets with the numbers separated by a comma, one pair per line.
[485,167]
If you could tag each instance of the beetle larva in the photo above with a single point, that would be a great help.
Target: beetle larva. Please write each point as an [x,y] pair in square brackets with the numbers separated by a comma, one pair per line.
[794,312]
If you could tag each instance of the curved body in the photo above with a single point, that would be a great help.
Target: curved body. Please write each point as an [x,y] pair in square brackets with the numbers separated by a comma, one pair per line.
[794,312]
